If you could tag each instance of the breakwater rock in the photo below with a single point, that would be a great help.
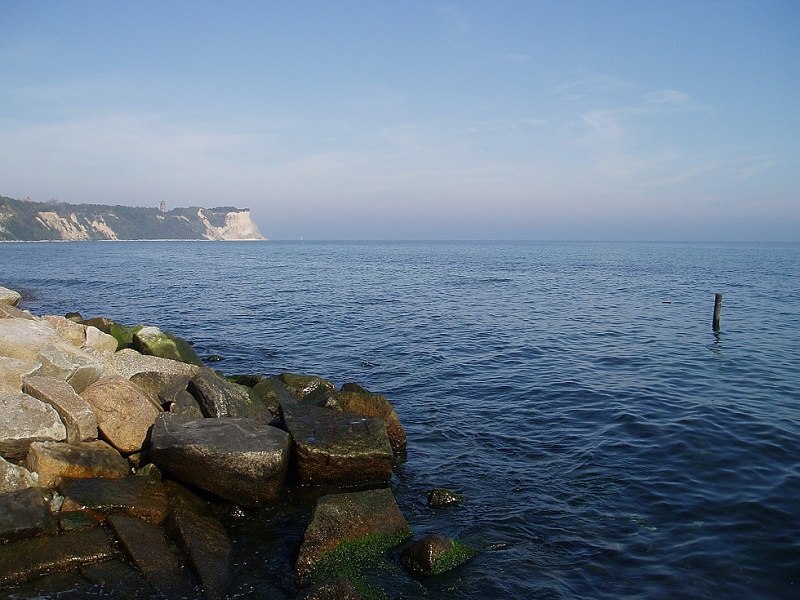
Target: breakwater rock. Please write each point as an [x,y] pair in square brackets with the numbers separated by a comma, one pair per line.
[120,453]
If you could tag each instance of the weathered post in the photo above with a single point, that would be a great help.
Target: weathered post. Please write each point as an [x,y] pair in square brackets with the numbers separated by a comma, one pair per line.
[717,311]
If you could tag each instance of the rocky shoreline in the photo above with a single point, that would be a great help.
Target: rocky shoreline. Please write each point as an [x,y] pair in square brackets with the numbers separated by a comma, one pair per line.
[119,448]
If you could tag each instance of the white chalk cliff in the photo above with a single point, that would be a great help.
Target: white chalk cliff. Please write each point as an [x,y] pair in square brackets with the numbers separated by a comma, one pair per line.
[35,221]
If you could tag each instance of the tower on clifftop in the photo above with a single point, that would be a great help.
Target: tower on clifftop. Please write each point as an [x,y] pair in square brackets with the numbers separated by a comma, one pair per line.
[163,207]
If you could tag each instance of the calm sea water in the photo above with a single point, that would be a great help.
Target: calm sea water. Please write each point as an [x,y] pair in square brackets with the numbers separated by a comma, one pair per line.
[609,444]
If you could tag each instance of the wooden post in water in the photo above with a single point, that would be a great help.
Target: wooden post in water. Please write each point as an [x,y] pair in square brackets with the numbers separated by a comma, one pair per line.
[717,311]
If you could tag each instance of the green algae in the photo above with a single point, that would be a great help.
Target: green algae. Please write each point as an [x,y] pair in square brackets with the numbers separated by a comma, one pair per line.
[353,559]
[457,555]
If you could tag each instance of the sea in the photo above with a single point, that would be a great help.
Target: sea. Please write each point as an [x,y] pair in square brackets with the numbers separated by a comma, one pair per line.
[607,441]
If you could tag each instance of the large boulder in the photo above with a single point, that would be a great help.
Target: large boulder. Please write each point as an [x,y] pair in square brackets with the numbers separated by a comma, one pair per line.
[54,460]
[24,419]
[362,402]
[9,297]
[242,460]
[153,341]
[351,527]
[76,413]
[220,398]
[337,448]
[124,412]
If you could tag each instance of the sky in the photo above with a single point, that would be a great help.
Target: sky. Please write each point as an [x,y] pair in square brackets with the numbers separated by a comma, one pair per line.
[532,120]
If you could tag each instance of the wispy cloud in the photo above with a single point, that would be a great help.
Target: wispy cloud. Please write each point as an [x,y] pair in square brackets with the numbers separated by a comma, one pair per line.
[513,57]
[671,97]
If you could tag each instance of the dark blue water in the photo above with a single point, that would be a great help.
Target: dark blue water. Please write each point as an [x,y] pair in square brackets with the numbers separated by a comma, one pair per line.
[608,442]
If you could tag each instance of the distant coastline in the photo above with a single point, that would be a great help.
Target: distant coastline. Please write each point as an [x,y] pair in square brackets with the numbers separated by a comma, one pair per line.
[28,221]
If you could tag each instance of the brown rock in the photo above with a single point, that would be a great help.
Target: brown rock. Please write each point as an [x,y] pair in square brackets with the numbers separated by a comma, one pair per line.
[368,404]
[139,497]
[56,460]
[338,448]
[124,412]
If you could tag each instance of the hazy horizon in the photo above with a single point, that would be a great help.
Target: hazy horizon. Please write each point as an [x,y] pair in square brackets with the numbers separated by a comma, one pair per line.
[580,121]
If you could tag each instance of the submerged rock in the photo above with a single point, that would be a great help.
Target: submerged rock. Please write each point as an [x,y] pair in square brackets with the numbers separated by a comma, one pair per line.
[206,545]
[242,460]
[338,448]
[435,554]
[439,497]
[26,559]
[350,527]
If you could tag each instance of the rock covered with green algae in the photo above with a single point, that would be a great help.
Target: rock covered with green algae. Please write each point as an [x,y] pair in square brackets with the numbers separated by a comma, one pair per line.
[434,554]
[347,529]
[153,341]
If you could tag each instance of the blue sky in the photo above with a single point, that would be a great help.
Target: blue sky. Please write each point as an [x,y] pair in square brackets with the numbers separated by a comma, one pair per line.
[414,120]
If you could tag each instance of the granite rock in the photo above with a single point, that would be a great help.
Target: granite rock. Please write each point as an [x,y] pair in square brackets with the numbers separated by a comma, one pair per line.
[242,460]
[24,419]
